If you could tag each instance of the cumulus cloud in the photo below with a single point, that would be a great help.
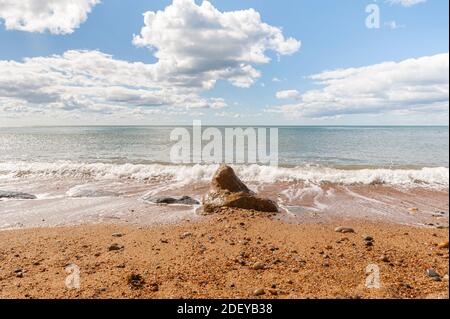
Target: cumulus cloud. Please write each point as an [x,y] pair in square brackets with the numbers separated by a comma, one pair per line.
[288,95]
[55,16]
[198,44]
[195,46]
[91,81]
[412,85]
[406,3]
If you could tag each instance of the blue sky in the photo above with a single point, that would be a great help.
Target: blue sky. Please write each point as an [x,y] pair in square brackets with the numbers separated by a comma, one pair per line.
[333,36]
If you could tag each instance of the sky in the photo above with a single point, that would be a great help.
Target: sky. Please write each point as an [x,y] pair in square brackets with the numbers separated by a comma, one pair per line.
[224,62]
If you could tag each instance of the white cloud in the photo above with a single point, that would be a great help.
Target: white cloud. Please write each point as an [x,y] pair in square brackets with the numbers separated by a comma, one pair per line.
[415,85]
[195,46]
[227,114]
[56,16]
[288,95]
[406,3]
[91,81]
[276,79]
[200,45]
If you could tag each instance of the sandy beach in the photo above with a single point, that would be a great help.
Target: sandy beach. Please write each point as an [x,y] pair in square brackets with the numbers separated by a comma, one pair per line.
[231,254]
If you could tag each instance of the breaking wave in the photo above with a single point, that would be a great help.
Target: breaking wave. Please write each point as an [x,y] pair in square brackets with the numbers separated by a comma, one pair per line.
[431,176]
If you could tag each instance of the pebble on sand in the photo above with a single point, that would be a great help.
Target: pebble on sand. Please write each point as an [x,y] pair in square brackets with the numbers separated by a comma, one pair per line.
[259,292]
[185,235]
[344,230]
[433,275]
[114,247]
[258,266]
[384,258]
[443,245]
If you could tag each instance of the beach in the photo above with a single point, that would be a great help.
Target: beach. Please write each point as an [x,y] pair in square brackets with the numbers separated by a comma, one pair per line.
[102,204]
[232,254]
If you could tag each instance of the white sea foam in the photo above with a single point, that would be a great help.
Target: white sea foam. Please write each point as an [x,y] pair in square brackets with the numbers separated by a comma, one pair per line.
[437,176]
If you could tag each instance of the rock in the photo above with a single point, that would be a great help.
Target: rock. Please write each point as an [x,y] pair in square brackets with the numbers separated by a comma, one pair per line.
[117,235]
[115,247]
[16,195]
[184,200]
[368,238]
[19,273]
[154,287]
[135,281]
[384,258]
[227,190]
[273,292]
[443,245]
[259,292]
[433,275]
[413,210]
[258,266]
[185,235]
[344,230]
[445,277]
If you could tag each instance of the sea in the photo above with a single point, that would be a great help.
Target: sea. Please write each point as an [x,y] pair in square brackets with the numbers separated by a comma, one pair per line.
[90,173]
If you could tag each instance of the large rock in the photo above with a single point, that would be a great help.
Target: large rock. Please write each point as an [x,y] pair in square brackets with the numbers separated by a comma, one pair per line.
[227,190]
[16,195]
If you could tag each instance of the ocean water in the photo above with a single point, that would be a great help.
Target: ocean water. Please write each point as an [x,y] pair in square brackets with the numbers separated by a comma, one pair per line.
[97,174]
[327,146]
[336,154]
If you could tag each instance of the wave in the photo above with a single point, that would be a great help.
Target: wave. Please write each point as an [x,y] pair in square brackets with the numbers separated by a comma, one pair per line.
[427,176]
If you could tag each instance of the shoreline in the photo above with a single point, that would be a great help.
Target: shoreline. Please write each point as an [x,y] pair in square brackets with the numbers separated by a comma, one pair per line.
[233,254]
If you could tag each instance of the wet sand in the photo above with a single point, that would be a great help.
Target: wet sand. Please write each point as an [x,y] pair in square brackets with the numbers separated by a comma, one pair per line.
[234,254]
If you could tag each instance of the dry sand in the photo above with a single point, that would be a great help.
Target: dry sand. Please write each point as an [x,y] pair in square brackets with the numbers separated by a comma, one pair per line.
[216,257]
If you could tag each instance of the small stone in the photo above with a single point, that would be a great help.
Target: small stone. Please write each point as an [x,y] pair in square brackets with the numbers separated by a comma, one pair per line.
[135,281]
[344,230]
[326,264]
[164,241]
[433,275]
[258,266]
[329,247]
[273,292]
[369,243]
[154,287]
[443,245]
[117,235]
[368,238]
[185,235]
[413,210]
[384,258]
[18,273]
[115,247]
[407,286]
[259,292]
[445,278]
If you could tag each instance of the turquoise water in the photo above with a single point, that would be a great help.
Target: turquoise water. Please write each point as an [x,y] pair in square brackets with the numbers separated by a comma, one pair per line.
[326,146]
